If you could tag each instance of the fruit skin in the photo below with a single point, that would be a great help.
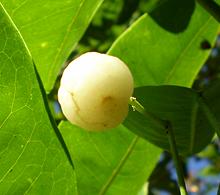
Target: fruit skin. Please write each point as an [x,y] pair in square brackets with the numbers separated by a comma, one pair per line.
[95,90]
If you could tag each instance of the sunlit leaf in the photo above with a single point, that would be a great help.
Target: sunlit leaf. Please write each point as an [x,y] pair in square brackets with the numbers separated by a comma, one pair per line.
[32,159]
[51,30]
[158,56]
[114,162]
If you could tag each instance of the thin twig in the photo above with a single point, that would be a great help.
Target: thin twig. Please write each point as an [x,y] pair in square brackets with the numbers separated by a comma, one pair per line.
[176,159]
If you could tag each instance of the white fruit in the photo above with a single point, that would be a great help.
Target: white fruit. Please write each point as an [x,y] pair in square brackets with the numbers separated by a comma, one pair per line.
[95,90]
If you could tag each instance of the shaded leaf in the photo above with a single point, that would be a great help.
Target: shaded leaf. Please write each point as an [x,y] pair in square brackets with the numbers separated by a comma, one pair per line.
[212,96]
[211,106]
[178,105]
[112,162]
[51,29]
[31,157]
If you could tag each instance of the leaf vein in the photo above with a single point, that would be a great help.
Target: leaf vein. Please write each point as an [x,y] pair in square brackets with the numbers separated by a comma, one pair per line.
[120,165]
[66,37]
[173,69]
[193,125]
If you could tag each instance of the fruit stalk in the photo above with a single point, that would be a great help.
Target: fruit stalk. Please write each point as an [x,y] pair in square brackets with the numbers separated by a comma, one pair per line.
[166,125]
[176,159]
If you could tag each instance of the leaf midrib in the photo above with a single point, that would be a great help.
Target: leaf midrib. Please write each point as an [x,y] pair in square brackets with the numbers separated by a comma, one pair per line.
[65,39]
[119,166]
[193,125]
[179,58]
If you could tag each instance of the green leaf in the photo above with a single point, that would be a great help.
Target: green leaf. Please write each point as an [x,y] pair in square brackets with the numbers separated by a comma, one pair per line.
[212,96]
[178,105]
[31,156]
[112,162]
[211,106]
[158,56]
[51,29]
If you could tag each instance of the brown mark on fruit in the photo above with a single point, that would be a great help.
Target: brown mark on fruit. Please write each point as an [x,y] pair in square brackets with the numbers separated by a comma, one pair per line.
[107,99]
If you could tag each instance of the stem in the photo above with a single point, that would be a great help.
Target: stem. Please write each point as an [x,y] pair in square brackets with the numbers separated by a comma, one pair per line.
[209,114]
[167,126]
[212,7]
[137,106]
[176,159]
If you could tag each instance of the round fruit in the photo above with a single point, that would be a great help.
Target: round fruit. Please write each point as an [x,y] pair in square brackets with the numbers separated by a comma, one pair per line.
[95,90]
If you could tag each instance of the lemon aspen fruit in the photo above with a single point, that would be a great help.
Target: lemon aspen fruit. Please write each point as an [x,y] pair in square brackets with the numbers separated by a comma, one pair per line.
[95,90]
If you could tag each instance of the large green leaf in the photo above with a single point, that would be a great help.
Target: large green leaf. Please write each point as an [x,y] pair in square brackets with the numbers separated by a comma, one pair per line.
[113,162]
[32,159]
[51,28]
[178,105]
[158,56]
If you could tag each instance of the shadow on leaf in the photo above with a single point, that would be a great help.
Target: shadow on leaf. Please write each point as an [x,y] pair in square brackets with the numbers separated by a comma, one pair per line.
[53,123]
[173,15]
